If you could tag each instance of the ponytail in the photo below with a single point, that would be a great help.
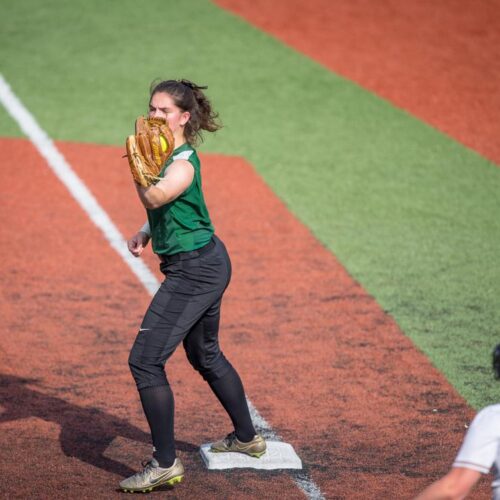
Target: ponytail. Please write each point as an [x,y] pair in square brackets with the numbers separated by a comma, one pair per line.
[190,97]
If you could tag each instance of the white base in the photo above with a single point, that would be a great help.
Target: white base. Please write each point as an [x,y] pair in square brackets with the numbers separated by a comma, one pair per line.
[278,456]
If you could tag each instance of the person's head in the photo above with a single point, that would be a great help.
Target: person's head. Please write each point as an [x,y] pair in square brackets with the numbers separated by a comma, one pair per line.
[496,361]
[185,107]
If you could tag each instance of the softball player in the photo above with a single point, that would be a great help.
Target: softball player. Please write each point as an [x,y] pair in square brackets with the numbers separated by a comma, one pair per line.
[186,308]
[480,451]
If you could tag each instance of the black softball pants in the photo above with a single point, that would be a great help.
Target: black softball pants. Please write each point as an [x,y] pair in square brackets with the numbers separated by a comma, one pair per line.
[186,308]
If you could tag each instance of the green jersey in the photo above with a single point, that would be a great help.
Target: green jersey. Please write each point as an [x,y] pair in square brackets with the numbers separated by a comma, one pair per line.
[183,224]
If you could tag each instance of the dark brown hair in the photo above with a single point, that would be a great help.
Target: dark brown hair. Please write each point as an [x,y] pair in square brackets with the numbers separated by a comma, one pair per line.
[190,97]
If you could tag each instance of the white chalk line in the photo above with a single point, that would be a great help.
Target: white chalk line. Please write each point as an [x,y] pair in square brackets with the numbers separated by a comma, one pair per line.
[77,188]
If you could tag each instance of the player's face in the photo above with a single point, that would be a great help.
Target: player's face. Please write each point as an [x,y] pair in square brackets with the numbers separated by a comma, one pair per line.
[163,106]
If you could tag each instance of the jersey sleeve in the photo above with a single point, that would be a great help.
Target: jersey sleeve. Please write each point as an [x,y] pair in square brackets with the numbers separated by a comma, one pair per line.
[480,447]
[184,155]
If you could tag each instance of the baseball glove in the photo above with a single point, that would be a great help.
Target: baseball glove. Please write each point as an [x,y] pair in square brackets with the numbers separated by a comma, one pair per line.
[149,149]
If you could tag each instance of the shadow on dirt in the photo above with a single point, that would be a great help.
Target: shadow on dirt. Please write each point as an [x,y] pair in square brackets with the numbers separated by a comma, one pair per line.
[85,432]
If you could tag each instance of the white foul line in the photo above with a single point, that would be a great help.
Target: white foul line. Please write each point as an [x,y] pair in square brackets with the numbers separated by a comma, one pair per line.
[74,184]
[62,169]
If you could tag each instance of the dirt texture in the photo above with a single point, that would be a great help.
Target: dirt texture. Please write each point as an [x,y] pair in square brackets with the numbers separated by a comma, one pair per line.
[323,364]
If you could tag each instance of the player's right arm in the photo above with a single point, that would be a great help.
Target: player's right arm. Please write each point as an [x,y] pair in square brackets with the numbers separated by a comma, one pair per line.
[138,242]
[178,177]
[475,457]
[455,485]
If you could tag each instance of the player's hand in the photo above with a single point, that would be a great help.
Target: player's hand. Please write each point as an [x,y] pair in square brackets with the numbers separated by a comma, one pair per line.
[137,243]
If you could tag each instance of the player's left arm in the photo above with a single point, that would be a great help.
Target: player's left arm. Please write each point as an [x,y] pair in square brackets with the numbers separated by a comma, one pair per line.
[178,177]
[455,485]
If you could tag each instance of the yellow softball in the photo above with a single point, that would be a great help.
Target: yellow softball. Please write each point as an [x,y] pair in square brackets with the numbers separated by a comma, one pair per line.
[163,143]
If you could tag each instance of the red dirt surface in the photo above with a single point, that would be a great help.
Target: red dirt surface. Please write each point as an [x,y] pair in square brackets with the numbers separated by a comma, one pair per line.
[437,60]
[324,365]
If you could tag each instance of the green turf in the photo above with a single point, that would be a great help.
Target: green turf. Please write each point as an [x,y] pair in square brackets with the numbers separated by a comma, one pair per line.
[413,215]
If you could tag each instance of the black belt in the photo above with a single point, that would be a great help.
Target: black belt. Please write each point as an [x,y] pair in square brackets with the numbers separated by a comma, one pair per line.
[170,259]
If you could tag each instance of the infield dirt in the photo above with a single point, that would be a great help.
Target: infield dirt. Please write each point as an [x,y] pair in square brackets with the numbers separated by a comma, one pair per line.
[325,366]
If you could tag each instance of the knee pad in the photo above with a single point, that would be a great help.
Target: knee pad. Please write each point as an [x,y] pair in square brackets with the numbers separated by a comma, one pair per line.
[144,373]
[211,366]
[195,356]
